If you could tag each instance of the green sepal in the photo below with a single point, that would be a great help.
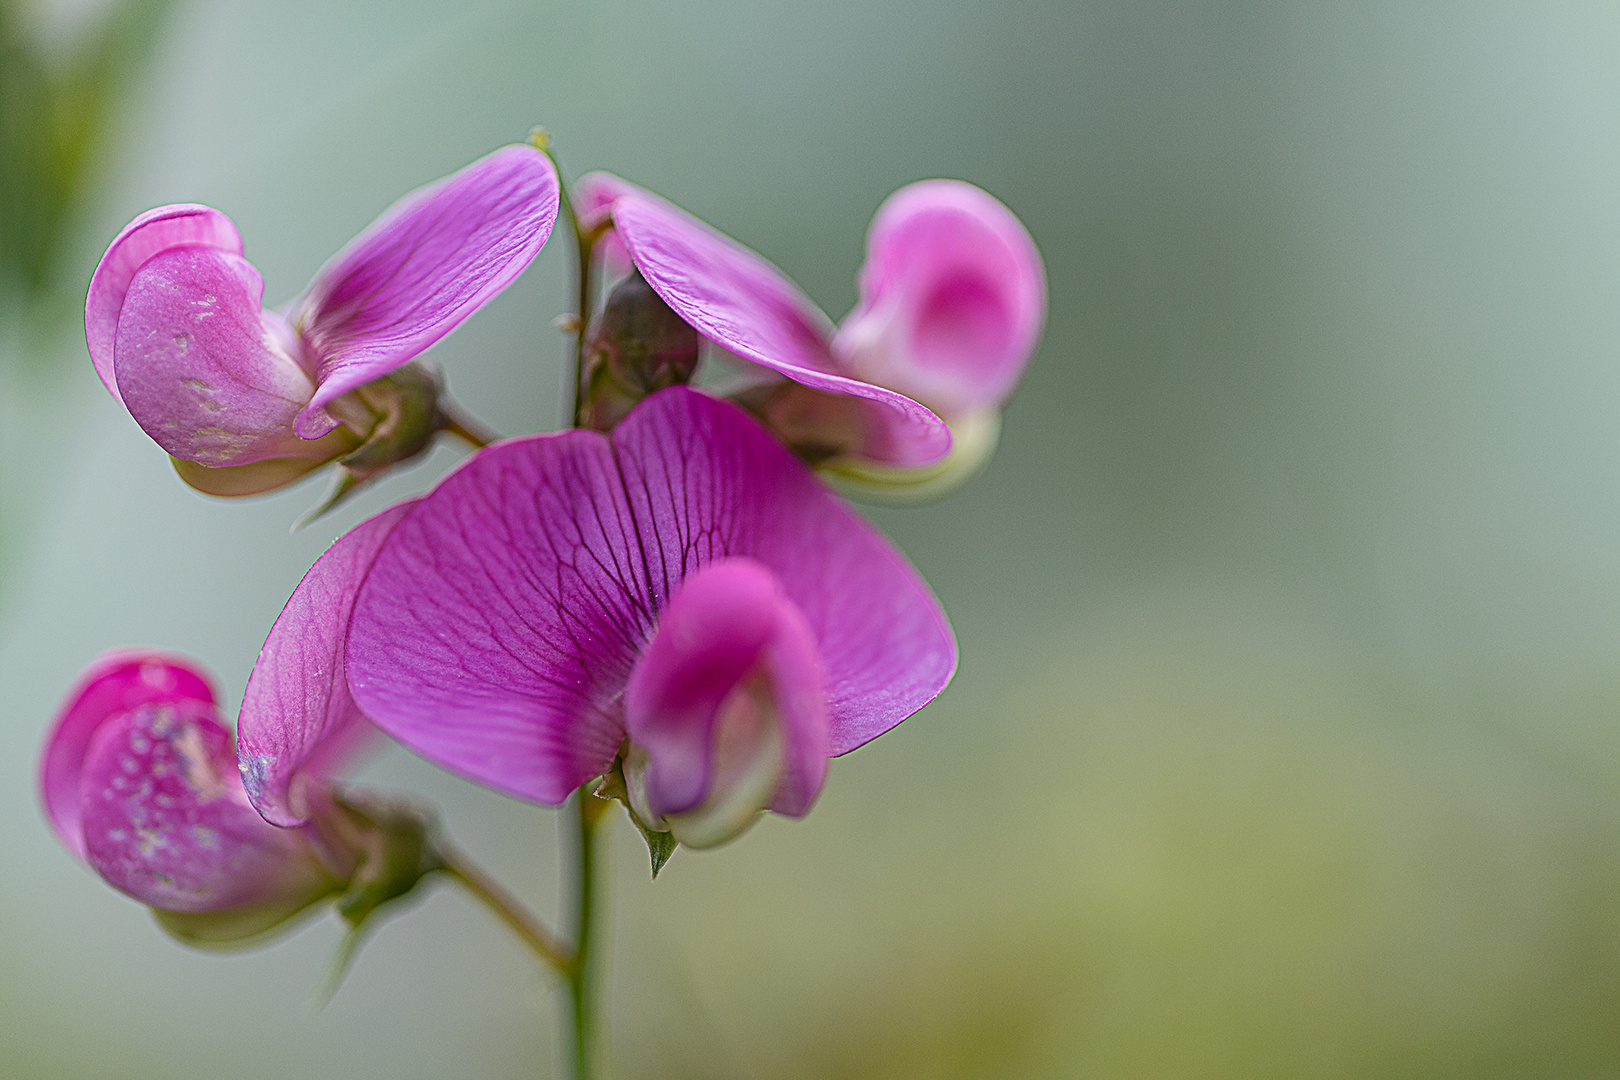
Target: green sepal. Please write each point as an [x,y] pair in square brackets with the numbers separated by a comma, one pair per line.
[394,847]
[661,844]
[239,927]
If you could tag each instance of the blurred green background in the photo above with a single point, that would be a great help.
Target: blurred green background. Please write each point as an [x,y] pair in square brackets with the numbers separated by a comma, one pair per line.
[1285,739]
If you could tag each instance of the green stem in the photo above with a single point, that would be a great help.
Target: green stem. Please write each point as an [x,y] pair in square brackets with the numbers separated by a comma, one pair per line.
[558,956]
[583,983]
[464,427]
[584,247]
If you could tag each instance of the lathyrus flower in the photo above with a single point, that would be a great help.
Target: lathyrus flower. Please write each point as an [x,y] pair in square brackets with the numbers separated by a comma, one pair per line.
[953,297]
[679,605]
[247,399]
[139,779]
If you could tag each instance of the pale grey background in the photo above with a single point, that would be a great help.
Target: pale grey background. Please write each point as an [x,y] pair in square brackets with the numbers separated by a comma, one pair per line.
[1284,741]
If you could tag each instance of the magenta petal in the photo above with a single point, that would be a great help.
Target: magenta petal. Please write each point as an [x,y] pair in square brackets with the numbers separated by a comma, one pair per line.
[431,260]
[706,481]
[736,299]
[709,636]
[728,624]
[153,232]
[115,683]
[297,715]
[200,366]
[499,625]
[953,297]
[594,195]
[799,685]
[165,819]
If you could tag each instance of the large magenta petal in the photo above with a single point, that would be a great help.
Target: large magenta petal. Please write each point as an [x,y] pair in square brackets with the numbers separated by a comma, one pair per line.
[741,302]
[953,297]
[115,683]
[150,234]
[499,624]
[297,716]
[165,819]
[497,627]
[200,365]
[706,481]
[430,261]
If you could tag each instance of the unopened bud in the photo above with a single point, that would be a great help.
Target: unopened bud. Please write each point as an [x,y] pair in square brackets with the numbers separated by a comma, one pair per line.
[636,346]
[395,418]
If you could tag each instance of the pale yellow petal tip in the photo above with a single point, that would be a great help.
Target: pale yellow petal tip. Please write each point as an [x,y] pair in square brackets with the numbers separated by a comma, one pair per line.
[973,440]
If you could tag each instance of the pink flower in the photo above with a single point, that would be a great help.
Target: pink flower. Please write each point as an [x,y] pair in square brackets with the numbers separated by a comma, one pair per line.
[681,598]
[139,779]
[953,297]
[176,328]
[748,307]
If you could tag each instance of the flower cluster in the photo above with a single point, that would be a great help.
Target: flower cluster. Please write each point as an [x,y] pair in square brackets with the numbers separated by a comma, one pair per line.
[664,604]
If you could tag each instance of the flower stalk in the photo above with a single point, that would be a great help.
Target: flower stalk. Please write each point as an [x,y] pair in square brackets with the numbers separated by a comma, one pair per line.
[583,983]
[506,907]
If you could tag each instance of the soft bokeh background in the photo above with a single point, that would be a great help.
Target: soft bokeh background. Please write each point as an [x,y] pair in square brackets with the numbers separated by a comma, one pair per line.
[1286,740]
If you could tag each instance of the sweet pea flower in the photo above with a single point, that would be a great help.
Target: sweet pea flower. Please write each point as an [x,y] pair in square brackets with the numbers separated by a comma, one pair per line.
[745,305]
[247,399]
[679,605]
[952,300]
[139,780]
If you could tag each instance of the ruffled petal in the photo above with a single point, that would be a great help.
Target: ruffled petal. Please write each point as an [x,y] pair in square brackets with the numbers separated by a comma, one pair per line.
[201,366]
[165,819]
[115,683]
[297,715]
[155,231]
[430,261]
[742,303]
[953,297]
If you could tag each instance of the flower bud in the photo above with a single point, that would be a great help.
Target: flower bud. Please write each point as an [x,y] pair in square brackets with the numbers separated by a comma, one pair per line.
[636,346]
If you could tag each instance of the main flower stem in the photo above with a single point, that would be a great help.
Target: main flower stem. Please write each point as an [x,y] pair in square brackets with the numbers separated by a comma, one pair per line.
[584,247]
[584,989]
[583,984]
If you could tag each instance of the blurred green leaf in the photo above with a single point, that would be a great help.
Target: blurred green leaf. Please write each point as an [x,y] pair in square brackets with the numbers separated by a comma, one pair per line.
[54,113]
